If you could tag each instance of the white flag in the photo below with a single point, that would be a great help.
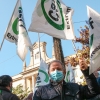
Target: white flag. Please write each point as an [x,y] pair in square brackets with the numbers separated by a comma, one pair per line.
[69,74]
[12,29]
[94,21]
[12,32]
[23,39]
[43,77]
[53,18]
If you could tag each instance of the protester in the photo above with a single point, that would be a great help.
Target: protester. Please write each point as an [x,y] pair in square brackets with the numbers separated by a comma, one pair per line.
[58,89]
[6,88]
[98,78]
[97,75]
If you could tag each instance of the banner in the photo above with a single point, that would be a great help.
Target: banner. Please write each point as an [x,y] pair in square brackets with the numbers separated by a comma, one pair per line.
[94,22]
[69,74]
[53,18]
[43,77]
[23,39]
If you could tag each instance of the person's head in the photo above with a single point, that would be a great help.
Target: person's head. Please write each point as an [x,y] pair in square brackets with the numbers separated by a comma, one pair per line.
[56,71]
[6,81]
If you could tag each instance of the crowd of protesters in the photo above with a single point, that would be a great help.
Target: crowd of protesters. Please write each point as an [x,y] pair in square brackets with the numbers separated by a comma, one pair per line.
[58,89]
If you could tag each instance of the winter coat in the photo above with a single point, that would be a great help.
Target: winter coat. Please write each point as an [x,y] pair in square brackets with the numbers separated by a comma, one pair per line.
[95,98]
[70,91]
[7,95]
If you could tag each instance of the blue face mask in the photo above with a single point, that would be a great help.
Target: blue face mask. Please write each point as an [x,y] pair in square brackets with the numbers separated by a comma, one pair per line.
[56,76]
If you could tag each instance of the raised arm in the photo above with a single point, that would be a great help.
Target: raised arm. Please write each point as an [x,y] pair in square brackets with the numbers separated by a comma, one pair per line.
[92,88]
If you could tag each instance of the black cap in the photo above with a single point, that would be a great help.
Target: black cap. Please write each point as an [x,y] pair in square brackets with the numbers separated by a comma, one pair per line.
[5,80]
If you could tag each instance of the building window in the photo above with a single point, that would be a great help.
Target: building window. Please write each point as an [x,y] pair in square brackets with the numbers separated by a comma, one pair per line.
[37,55]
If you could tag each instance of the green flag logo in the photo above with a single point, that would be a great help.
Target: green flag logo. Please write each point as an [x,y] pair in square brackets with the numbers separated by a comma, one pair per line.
[51,19]
[14,26]
[67,75]
[15,23]
[46,75]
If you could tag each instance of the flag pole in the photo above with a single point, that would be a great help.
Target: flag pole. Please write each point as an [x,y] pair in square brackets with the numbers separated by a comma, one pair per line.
[74,46]
[39,46]
[2,42]
[40,61]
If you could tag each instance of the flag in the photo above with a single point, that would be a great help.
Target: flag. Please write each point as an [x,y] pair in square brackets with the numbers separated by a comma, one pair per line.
[11,33]
[43,77]
[54,18]
[23,39]
[16,32]
[79,78]
[69,74]
[94,22]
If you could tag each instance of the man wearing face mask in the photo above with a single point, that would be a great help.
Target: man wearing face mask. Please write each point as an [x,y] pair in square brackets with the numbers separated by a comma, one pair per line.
[6,88]
[58,89]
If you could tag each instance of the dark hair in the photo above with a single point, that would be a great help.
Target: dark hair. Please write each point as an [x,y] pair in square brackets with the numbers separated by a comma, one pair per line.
[5,80]
[55,61]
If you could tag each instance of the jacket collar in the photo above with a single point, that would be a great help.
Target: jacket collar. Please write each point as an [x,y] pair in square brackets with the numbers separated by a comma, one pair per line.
[4,89]
[69,88]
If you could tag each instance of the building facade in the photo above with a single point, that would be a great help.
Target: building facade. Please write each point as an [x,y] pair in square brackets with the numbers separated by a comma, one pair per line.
[27,77]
